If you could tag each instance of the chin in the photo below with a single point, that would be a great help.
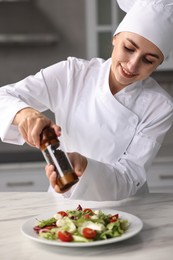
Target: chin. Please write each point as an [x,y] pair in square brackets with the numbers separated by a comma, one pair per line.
[125,82]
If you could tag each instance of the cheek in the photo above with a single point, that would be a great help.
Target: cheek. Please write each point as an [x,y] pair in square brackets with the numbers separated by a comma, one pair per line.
[118,57]
[145,72]
[149,71]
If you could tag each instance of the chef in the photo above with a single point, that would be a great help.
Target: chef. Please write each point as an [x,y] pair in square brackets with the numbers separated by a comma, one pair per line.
[110,115]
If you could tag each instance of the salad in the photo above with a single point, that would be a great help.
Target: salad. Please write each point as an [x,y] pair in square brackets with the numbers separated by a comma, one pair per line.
[81,225]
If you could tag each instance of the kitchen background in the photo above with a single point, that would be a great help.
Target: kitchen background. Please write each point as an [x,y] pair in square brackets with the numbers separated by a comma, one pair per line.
[37,33]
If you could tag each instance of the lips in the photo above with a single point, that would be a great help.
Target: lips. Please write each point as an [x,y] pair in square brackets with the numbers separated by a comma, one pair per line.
[126,73]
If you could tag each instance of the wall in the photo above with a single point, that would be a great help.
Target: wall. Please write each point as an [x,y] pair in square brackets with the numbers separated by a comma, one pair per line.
[68,19]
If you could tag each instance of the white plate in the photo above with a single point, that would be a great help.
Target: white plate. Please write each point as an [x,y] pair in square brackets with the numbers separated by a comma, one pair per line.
[134,228]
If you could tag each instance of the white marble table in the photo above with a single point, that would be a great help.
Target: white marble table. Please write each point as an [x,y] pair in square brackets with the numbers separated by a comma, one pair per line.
[154,242]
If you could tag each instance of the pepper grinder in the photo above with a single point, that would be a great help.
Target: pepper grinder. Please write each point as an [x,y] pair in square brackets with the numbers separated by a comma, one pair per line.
[54,153]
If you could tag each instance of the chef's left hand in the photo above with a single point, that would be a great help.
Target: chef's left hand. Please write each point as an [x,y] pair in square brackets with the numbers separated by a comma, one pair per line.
[79,164]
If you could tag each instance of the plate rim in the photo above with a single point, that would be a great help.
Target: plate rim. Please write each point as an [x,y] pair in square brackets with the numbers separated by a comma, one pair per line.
[124,237]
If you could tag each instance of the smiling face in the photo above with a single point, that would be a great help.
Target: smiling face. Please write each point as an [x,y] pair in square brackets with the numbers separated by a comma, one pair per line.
[133,58]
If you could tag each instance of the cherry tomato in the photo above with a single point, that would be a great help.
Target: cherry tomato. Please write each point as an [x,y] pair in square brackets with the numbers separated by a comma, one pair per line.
[88,211]
[89,233]
[86,216]
[62,213]
[113,218]
[65,236]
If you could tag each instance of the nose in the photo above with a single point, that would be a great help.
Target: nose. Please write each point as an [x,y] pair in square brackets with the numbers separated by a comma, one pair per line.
[133,64]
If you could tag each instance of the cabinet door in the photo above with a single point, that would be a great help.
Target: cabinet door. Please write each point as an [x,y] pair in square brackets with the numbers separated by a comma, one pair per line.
[23,177]
[102,18]
[160,177]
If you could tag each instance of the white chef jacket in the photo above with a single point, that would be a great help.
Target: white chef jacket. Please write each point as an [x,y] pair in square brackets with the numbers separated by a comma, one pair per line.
[120,135]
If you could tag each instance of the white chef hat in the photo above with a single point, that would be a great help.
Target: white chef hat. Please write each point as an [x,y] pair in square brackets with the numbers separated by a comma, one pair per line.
[152,19]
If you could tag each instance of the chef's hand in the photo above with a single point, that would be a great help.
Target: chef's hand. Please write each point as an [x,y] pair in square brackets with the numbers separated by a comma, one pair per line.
[79,164]
[30,123]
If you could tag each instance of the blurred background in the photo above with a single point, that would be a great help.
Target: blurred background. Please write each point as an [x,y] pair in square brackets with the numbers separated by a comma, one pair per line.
[37,33]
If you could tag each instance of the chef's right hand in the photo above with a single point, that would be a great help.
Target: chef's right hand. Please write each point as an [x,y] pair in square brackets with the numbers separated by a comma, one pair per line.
[30,123]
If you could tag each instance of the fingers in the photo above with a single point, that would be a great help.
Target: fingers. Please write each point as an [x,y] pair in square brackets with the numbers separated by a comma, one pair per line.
[30,123]
[52,176]
[79,163]
[31,127]
[57,129]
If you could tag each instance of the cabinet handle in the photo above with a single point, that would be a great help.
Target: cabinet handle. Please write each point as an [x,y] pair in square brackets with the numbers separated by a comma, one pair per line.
[166,177]
[16,184]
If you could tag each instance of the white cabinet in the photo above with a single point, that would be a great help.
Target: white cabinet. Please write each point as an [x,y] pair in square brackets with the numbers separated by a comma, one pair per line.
[23,177]
[160,176]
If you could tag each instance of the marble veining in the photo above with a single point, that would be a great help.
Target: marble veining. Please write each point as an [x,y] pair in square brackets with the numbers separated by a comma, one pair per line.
[155,241]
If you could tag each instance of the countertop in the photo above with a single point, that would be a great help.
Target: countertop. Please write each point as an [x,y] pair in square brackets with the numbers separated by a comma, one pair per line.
[155,241]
